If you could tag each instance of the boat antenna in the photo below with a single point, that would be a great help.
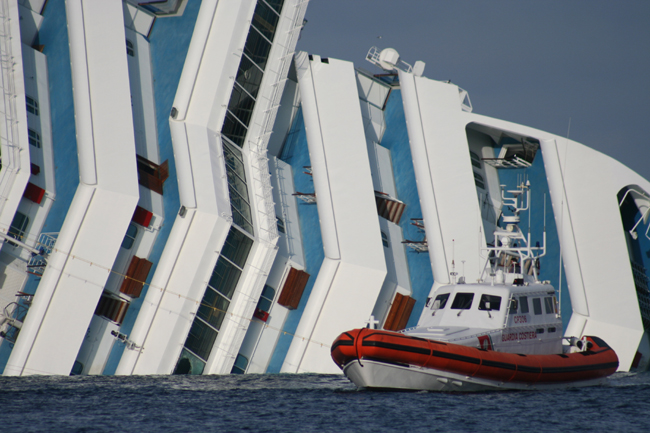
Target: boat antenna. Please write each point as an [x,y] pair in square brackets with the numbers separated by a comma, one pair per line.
[453,272]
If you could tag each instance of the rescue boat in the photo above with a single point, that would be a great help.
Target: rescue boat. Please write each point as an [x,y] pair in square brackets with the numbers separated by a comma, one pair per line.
[503,332]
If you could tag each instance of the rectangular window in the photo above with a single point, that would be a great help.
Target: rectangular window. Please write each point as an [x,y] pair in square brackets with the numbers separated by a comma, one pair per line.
[478,180]
[34,138]
[489,302]
[266,299]
[225,277]
[241,362]
[523,302]
[476,161]
[129,237]
[440,301]
[462,301]
[18,226]
[548,305]
[280,224]
[213,308]
[537,306]
[234,130]
[265,20]
[130,50]
[32,105]
[257,48]
[237,247]
[513,306]
[201,339]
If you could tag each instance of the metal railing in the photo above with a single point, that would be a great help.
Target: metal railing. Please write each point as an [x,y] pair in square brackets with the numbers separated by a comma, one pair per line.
[8,111]
[266,113]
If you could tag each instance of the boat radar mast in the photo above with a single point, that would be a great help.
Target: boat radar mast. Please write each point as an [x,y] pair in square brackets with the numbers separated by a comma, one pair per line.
[512,259]
[388,59]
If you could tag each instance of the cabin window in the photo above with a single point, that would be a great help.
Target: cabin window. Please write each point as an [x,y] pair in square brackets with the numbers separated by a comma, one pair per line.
[130,50]
[34,138]
[280,224]
[129,237]
[440,301]
[489,302]
[551,329]
[32,105]
[523,302]
[548,305]
[537,306]
[384,239]
[241,362]
[513,306]
[478,180]
[462,301]
[476,161]
[266,299]
[18,226]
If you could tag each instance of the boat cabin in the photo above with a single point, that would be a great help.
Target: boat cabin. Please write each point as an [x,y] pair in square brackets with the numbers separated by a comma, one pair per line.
[509,318]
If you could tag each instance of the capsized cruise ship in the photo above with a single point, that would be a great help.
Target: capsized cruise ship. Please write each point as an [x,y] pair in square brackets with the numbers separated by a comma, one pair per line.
[185,193]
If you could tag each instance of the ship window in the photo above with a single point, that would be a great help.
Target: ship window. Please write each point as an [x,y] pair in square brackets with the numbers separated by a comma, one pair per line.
[129,237]
[548,305]
[539,330]
[513,306]
[18,226]
[384,239]
[489,302]
[551,329]
[523,302]
[241,362]
[462,301]
[280,223]
[537,306]
[129,48]
[476,161]
[478,180]
[200,339]
[440,301]
[266,299]
[34,138]
[32,105]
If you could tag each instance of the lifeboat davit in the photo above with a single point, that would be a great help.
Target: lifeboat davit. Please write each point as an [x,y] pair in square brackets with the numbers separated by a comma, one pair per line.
[391,360]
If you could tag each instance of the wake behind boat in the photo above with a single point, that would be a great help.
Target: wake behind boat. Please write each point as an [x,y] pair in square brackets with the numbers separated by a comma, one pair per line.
[504,332]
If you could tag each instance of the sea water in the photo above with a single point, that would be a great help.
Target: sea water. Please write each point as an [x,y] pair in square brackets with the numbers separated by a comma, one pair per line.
[308,403]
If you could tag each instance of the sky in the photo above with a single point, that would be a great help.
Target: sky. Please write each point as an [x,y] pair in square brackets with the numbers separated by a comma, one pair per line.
[570,67]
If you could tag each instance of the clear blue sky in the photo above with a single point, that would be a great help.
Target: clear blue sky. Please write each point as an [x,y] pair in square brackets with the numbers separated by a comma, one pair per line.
[538,63]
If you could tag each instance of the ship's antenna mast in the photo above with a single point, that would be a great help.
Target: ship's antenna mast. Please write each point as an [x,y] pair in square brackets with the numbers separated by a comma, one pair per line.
[453,272]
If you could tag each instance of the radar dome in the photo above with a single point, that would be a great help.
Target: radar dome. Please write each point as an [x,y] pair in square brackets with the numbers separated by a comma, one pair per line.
[388,59]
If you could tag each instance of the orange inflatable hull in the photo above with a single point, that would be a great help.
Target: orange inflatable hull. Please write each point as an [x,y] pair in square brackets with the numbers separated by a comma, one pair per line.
[395,348]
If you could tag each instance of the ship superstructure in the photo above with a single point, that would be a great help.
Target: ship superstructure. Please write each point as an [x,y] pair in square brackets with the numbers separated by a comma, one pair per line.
[227,204]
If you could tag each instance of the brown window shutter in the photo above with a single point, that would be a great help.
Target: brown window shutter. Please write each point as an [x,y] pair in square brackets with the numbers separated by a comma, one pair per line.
[152,175]
[136,275]
[293,288]
[111,308]
[399,313]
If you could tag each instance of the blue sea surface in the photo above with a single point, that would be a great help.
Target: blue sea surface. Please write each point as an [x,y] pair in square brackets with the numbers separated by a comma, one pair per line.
[308,403]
